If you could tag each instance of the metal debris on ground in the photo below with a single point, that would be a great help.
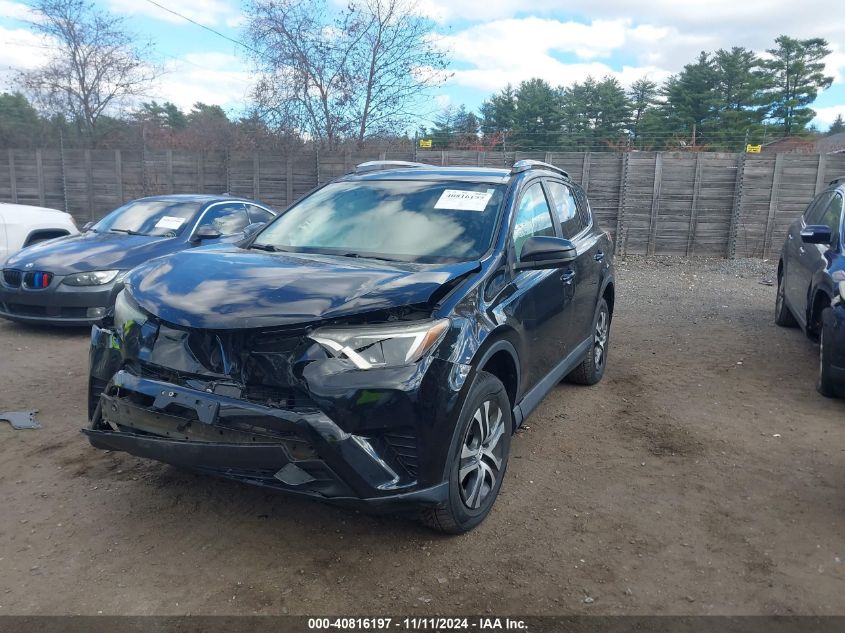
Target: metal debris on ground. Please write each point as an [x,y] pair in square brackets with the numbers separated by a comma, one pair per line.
[21,419]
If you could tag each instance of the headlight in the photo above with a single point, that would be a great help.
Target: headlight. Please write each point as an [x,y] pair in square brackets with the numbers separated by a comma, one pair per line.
[381,345]
[127,313]
[96,278]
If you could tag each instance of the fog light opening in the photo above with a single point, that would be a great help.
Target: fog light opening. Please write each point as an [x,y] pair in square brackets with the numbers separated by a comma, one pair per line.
[95,313]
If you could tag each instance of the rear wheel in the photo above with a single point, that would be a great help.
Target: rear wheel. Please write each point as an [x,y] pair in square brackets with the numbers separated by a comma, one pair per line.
[591,369]
[783,316]
[826,385]
[478,457]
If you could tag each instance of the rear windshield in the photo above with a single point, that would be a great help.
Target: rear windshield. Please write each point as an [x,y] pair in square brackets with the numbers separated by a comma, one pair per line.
[406,220]
[150,217]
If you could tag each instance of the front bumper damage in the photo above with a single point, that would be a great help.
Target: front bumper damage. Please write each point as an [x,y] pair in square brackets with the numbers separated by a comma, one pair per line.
[376,439]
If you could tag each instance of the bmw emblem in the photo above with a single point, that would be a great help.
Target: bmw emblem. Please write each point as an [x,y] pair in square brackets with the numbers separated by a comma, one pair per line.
[29,265]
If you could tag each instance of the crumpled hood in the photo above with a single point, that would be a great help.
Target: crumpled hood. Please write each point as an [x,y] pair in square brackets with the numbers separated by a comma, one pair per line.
[92,251]
[235,288]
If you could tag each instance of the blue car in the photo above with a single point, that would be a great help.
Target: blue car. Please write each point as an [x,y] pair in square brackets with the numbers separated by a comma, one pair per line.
[811,272]
[73,280]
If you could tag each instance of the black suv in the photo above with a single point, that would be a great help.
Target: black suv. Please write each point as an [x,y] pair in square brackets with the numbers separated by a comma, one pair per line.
[376,345]
[811,272]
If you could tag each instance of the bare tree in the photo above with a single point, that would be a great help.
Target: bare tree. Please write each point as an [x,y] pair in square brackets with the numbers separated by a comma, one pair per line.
[95,66]
[342,74]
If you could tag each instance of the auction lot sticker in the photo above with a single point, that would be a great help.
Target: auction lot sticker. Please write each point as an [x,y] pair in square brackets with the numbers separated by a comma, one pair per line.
[459,200]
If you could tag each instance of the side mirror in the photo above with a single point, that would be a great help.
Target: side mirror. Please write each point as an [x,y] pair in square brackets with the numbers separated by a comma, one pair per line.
[254,228]
[816,234]
[545,252]
[206,233]
[88,226]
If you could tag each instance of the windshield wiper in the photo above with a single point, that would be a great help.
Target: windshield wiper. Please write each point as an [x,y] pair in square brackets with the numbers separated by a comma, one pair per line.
[127,231]
[360,256]
[264,247]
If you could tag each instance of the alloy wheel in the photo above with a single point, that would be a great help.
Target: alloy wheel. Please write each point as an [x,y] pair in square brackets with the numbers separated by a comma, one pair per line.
[481,454]
[600,339]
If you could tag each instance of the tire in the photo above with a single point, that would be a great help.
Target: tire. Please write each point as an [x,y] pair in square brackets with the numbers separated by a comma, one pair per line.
[825,384]
[783,317]
[591,369]
[478,458]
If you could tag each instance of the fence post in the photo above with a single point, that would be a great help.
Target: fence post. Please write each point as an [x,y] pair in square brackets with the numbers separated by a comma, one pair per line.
[620,225]
[737,206]
[118,174]
[12,178]
[39,168]
[201,171]
[585,173]
[289,182]
[89,179]
[228,174]
[773,204]
[170,171]
[821,170]
[64,174]
[655,202]
[256,176]
[696,190]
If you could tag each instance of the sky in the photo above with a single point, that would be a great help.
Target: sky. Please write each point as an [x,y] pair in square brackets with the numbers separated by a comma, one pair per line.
[491,43]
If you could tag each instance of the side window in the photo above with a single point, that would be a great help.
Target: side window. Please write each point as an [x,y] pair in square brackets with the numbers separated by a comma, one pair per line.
[227,218]
[817,207]
[832,214]
[533,217]
[257,214]
[566,209]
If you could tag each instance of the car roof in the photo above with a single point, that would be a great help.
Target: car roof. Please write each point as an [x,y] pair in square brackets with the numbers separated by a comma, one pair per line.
[13,206]
[197,197]
[490,175]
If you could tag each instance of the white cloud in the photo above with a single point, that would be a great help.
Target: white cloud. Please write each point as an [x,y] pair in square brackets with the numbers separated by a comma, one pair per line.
[213,78]
[826,116]
[207,12]
[20,49]
[15,11]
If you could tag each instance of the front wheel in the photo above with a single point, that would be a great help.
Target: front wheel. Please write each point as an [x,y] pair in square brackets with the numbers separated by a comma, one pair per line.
[783,317]
[591,369]
[478,458]
[826,385]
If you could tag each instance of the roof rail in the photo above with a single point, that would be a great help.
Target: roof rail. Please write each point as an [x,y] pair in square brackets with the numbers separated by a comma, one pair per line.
[836,181]
[526,165]
[376,165]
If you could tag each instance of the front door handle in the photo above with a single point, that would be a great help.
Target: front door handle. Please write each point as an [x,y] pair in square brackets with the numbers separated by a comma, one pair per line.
[568,276]
[599,256]
[801,249]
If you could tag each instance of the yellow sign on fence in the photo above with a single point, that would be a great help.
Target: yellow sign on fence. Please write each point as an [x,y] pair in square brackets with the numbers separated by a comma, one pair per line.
[753,149]
[425,142]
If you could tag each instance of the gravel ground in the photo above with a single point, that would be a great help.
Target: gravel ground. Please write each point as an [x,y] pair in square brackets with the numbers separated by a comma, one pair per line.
[704,475]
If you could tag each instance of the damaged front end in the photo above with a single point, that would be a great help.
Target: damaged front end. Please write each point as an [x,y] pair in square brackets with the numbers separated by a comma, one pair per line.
[294,407]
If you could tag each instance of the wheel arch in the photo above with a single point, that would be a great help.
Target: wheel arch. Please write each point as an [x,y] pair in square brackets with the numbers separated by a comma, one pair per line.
[498,356]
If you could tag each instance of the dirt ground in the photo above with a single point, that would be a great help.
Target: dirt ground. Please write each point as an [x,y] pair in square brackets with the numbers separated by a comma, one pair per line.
[704,475]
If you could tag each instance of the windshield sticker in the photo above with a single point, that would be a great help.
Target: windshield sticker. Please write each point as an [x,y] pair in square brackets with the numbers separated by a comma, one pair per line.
[170,223]
[458,200]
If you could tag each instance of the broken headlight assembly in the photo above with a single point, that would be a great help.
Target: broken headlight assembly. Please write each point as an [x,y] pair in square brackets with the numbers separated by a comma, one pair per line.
[127,313]
[389,345]
[95,278]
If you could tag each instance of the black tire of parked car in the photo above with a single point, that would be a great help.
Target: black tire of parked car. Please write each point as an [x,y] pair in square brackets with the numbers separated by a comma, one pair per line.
[826,385]
[591,369]
[486,399]
[783,317]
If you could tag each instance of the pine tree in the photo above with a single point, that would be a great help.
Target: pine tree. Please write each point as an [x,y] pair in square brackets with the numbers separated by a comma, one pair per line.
[797,73]
[837,127]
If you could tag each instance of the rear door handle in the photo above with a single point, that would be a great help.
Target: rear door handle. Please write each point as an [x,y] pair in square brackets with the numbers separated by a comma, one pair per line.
[568,276]
[599,256]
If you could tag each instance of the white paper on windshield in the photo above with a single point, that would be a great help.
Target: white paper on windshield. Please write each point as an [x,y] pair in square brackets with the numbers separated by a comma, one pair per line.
[170,223]
[458,200]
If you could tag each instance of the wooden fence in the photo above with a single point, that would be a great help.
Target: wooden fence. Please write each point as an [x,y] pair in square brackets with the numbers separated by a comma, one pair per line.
[728,205]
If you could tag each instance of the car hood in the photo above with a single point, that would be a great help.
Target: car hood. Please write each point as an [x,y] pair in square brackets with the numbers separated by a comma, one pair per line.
[235,288]
[92,251]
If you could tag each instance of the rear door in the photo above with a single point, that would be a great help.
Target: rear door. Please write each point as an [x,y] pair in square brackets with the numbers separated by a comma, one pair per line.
[574,215]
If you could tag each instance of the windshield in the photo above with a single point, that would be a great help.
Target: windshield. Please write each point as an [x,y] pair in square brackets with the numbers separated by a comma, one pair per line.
[160,218]
[406,220]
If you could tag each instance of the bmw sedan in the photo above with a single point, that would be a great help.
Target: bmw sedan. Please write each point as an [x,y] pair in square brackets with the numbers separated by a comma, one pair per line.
[74,280]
